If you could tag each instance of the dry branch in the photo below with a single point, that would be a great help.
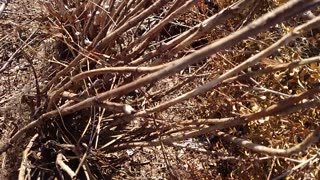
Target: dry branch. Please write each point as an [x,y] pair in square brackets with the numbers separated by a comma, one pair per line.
[278,15]
[261,24]
[28,41]
[302,164]
[274,68]
[148,36]
[218,124]
[112,69]
[249,62]
[197,31]
[24,163]
[309,140]
[64,166]
[105,42]
[286,105]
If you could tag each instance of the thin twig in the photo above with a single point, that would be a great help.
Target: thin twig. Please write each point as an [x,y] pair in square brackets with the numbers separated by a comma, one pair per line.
[24,163]
[302,164]
[271,169]
[274,68]
[9,61]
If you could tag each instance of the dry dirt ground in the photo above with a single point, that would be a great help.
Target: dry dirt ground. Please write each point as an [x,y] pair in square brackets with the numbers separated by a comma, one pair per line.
[21,35]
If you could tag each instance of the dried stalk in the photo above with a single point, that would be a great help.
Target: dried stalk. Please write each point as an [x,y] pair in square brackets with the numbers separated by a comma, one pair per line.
[282,13]
[105,42]
[259,25]
[27,42]
[133,12]
[202,28]
[218,124]
[24,163]
[274,68]
[302,164]
[147,37]
[244,65]
[65,167]
[309,140]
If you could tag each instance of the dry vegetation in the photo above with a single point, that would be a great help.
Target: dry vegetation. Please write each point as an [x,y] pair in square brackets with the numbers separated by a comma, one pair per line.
[160,89]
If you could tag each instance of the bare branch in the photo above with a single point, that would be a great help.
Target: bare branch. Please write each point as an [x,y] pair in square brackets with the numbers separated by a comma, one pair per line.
[195,32]
[24,163]
[249,62]
[310,139]
[105,42]
[274,68]
[147,37]
[302,164]
[64,166]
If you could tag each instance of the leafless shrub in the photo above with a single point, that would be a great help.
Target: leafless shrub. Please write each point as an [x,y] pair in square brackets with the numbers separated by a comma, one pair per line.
[130,73]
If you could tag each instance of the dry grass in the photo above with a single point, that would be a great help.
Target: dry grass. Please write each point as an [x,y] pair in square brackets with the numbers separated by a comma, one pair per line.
[162,89]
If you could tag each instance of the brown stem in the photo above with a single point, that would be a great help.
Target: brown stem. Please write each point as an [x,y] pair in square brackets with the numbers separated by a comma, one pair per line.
[310,139]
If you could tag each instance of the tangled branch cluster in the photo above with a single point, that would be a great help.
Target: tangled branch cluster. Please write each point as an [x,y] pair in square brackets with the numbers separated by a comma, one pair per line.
[124,65]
